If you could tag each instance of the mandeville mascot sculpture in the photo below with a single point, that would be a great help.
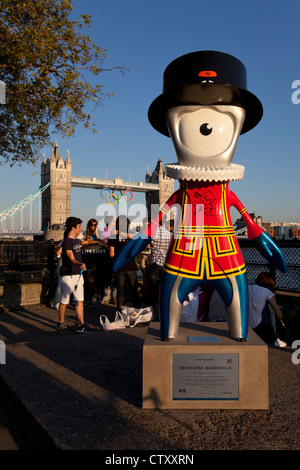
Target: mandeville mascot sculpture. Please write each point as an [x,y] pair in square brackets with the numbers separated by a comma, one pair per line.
[204,107]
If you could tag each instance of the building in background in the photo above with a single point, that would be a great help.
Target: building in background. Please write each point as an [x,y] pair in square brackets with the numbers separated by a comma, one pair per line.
[281,230]
[56,199]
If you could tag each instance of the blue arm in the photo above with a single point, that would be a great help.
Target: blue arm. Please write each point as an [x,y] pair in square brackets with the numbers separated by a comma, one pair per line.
[270,251]
[132,248]
[142,239]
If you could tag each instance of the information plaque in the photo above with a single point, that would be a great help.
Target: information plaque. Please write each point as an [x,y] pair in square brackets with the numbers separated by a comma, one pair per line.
[204,339]
[205,377]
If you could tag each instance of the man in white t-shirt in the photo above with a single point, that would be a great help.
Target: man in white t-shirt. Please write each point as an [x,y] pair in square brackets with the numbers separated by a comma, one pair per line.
[258,298]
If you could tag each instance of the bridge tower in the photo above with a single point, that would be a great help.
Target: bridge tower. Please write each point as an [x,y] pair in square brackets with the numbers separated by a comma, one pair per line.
[166,187]
[56,199]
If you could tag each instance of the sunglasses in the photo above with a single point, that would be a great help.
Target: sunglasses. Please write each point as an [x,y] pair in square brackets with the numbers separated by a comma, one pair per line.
[93,225]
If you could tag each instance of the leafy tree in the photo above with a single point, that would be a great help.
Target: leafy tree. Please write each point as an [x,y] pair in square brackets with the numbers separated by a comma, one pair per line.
[45,61]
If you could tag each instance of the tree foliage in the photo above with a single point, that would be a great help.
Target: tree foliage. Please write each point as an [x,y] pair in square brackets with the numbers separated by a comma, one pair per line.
[47,64]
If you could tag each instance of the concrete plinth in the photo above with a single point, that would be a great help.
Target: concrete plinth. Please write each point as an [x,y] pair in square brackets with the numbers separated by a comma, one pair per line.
[203,368]
[22,294]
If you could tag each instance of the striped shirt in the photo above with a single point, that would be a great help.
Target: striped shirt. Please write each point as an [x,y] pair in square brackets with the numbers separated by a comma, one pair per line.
[160,245]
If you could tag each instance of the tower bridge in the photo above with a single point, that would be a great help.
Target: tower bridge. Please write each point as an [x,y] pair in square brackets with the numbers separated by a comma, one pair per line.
[54,193]
[114,184]
[56,198]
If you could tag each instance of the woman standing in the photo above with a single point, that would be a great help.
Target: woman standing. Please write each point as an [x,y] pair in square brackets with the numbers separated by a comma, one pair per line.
[91,231]
[97,259]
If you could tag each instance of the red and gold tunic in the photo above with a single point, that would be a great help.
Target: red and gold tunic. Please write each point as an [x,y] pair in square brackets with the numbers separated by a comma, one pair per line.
[204,244]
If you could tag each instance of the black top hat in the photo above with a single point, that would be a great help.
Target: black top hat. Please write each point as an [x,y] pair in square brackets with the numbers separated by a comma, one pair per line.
[205,78]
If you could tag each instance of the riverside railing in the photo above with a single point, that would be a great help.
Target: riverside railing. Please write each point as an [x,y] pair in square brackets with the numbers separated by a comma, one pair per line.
[255,263]
[26,261]
[38,257]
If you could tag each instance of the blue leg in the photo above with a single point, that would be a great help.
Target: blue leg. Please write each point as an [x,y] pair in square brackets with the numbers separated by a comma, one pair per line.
[173,292]
[243,299]
[166,287]
[234,292]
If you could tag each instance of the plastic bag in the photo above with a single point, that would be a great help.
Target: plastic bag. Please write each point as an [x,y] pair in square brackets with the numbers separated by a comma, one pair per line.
[116,325]
[133,316]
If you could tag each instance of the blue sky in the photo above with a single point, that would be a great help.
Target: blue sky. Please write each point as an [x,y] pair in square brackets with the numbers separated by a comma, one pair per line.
[147,36]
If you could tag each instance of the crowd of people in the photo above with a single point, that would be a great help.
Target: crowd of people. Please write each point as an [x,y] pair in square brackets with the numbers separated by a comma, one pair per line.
[74,280]
[77,284]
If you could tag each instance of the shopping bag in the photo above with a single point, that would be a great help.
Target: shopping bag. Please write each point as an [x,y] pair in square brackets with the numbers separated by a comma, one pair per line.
[133,316]
[116,325]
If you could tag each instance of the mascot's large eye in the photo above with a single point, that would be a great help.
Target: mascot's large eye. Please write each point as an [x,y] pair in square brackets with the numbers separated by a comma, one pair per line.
[206,131]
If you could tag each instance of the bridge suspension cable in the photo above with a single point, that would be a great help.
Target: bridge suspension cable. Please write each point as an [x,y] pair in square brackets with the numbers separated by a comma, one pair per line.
[242,231]
[20,205]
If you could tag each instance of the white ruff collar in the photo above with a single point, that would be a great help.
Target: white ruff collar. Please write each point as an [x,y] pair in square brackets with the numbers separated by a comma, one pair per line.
[230,173]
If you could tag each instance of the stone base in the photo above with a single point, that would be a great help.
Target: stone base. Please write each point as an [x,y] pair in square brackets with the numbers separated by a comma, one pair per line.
[203,368]
[21,294]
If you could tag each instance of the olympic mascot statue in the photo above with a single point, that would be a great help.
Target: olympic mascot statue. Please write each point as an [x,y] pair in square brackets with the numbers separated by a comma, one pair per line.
[204,107]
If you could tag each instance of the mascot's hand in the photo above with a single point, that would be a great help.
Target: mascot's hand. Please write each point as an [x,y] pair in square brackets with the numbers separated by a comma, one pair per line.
[132,248]
[270,251]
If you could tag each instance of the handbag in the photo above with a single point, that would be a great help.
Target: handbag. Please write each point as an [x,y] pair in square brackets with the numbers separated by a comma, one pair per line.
[116,325]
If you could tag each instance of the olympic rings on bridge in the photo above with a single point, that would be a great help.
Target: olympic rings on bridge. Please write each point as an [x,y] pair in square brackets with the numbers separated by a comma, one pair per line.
[116,199]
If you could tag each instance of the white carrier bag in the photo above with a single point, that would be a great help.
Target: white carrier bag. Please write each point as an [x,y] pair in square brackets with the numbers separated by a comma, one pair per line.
[116,325]
[133,316]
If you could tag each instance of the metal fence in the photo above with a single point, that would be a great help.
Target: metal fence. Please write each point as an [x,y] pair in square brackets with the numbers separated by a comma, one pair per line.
[255,263]
[21,257]
[26,261]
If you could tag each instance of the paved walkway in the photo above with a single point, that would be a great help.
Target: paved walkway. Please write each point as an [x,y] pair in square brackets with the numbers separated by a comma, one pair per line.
[84,392]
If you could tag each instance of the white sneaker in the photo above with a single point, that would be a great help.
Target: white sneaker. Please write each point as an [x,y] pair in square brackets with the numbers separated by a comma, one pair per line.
[280,343]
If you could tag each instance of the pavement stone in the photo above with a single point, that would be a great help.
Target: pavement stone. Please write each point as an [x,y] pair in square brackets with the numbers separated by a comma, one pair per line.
[84,392]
